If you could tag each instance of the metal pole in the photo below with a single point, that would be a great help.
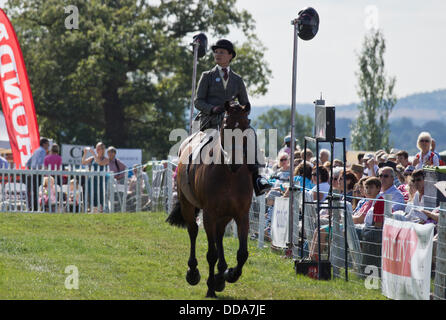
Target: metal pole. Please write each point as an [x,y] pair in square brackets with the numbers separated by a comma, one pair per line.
[345,212]
[303,203]
[194,80]
[318,213]
[293,111]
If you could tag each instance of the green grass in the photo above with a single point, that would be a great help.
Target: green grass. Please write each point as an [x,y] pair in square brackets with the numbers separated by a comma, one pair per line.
[137,256]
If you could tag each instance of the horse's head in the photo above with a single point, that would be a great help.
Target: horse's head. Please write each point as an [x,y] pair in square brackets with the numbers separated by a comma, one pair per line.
[236,116]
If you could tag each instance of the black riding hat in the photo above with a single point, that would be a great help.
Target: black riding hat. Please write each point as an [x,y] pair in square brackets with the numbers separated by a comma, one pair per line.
[224,44]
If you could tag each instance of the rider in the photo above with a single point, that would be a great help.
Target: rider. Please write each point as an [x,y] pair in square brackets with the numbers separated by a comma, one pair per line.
[218,85]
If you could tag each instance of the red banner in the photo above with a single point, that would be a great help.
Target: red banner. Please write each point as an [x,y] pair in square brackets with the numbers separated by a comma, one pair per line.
[16,97]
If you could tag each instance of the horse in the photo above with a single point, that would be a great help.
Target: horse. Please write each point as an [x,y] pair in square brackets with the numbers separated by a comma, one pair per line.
[224,192]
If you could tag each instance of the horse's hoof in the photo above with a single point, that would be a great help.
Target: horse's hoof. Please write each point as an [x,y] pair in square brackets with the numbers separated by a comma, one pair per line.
[231,276]
[193,277]
[220,283]
[211,294]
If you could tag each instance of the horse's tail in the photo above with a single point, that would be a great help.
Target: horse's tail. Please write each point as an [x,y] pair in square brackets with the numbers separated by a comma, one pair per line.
[175,217]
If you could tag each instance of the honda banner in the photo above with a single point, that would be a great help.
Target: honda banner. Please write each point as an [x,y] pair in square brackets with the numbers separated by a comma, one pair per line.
[15,96]
[406,259]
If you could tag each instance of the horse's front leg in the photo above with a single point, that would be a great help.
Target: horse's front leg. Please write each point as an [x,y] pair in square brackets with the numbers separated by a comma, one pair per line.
[212,256]
[233,274]
[222,265]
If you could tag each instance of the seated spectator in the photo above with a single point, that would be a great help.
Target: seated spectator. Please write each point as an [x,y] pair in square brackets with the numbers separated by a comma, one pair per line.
[425,157]
[359,194]
[372,212]
[300,175]
[337,188]
[306,155]
[403,158]
[350,183]
[403,187]
[116,165]
[282,171]
[47,194]
[324,156]
[324,186]
[74,194]
[53,161]
[386,176]
[371,166]
[358,170]
[414,209]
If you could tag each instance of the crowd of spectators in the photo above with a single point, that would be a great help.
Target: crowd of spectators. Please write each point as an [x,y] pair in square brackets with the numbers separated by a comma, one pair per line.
[41,190]
[373,176]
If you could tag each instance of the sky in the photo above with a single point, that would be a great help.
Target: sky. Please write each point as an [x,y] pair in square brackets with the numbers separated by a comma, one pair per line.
[414,30]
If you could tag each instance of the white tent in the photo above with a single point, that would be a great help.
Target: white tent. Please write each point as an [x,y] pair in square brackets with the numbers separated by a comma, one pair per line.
[4,137]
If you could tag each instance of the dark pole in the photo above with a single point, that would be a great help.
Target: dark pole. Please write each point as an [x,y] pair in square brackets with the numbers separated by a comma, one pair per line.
[303,204]
[345,214]
[293,111]
[318,212]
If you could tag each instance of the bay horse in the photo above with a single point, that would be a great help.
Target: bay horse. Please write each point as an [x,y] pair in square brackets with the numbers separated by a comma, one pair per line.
[224,192]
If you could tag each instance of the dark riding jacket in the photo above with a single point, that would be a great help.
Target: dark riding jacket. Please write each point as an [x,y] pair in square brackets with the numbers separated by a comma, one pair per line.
[211,92]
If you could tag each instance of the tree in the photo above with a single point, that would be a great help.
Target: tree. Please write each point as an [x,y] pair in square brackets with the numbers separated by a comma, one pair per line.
[124,76]
[371,129]
[278,119]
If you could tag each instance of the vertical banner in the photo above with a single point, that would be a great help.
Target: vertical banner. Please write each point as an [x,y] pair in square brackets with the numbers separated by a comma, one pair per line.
[279,222]
[16,97]
[406,259]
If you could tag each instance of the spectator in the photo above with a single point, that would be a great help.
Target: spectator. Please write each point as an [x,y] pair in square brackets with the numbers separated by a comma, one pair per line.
[350,184]
[73,196]
[53,161]
[324,186]
[371,166]
[359,194]
[336,186]
[300,174]
[3,163]
[403,158]
[386,176]
[98,162]
[425,157]
[116,165]
[360,157]
[337,163]
[47,194]
[414,210]
[33,181]
[306,155]
[286,145]
[324,156]
[358,170]
[402,178]
[372,212]
[433,145]
[282,172]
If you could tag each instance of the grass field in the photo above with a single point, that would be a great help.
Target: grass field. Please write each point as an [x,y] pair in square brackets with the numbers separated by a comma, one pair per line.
[137,256]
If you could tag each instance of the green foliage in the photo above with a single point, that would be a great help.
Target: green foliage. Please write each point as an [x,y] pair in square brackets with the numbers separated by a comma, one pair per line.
[278,119]
[124,77]
[371,130]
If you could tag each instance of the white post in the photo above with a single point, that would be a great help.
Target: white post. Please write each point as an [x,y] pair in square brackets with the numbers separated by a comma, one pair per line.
[169,187]
[440,263]
[388,206]
[138,189]
[262,212]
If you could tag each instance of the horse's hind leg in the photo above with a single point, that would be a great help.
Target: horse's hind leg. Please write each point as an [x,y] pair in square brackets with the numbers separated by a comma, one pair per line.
[222,265]
[233,274]
[189,212]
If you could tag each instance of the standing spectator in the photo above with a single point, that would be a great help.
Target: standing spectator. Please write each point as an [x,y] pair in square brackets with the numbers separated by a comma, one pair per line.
[33,181]
[116,165]
[38,157]
[387,176]
[425,157]
[98,162]
[286,145]
[361,157]
[403,158]
[53,161]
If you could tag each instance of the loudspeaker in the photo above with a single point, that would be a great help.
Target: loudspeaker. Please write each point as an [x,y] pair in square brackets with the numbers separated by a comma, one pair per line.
[324,124]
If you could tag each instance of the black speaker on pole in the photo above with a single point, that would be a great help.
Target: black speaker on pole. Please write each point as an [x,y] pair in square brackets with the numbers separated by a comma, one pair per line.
[324,121]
